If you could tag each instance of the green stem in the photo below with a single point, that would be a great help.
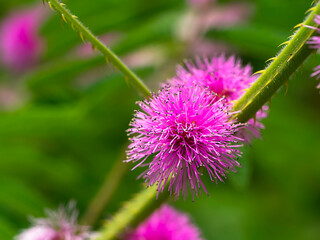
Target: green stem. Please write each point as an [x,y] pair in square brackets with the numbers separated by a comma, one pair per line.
[110,185]
[133,212]
[278,72]
[96,43]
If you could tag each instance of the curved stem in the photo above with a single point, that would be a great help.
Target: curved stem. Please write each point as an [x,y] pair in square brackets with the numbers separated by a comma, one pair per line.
[102,198]
[96,43]
[278,72]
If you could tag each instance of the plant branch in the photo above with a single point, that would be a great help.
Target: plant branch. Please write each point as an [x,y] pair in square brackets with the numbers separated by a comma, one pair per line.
[133,212]
[102,198]
[279,71]
[96,43]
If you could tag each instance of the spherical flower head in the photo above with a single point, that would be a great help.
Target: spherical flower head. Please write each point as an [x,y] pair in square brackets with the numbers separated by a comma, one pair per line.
[166,223]
[228,79]
[224,76]
[60,225]
[20,43]
[183,130]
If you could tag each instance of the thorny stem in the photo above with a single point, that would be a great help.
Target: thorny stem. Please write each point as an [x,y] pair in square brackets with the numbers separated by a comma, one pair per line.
[133,212]
[85,34]
[279,71]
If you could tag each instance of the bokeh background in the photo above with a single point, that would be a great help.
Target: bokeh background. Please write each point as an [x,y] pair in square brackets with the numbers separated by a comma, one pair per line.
[64,114]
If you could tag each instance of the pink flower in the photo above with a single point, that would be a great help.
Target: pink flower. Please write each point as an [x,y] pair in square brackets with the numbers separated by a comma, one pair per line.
[315,40]
[315,43]
[227,78]
[60,225]
[38,233]
[200,3]
[166,224]
[20,43]
[177,132]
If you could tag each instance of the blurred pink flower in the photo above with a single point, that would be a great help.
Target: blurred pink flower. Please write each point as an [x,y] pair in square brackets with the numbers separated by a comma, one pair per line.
[38,233]
[9,97]
[200,3]
[20,42]
[166,223]
[208,15]
[60,225]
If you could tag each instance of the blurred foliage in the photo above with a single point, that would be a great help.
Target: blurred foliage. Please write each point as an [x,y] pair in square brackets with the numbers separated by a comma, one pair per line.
[60,142]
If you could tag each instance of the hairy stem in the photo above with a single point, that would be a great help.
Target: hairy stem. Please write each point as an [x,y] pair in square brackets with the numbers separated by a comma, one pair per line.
[96,43]
[279,71]
[133,212]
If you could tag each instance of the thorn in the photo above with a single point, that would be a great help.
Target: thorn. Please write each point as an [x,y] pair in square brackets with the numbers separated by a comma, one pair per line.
[50,5]
[309,10]
[93,47]
[107,60]
[286,42]
[244,90]
[290,37]
[74,16]
[287,87]
[297,26]
[258,72]
[63,17]
[44,2]
[73,27]
[62,4]
[271,59]
[81,36]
